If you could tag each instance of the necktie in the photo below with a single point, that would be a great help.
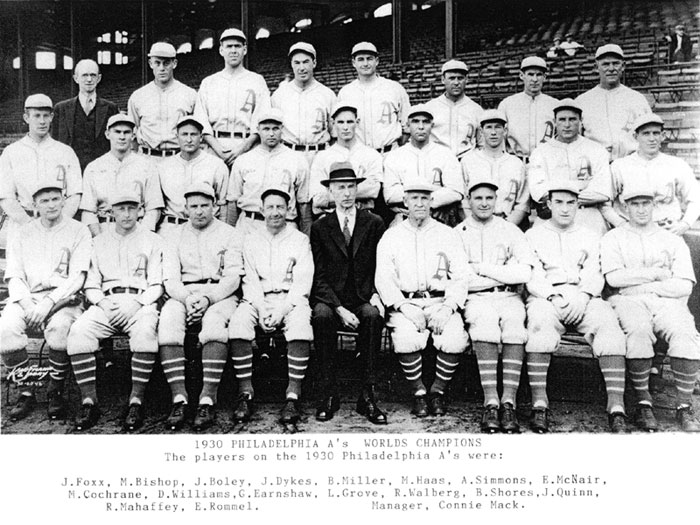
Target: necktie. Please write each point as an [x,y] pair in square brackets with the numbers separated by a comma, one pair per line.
[346,231]
[88,106]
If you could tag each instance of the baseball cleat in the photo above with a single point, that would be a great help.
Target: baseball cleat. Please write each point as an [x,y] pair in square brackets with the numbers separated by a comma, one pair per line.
[509,420]
[420,406]
[489,420]
[539,423]
[617,423]
[685,417]
[134,417]
[88,416]
[176,418]
[57,405]
[24,406]
[244,408]
[204,417]
[644,418]
[436,404]
[290,413]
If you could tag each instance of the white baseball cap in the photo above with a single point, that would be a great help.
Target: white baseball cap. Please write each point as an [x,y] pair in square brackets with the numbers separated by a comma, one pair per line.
[272,114]
[637,190]
[189,119]
[340,106]
[303,47]
[420,109]
[364,47]
[647,118]
[491,115]
[563,185]
[200,188]
[125,196]
[609,49]
[418,185]
[568,103]
[533,61]
[454,65]
[120,118]
[480,180]
[162,50]
[38,101]
[233,32]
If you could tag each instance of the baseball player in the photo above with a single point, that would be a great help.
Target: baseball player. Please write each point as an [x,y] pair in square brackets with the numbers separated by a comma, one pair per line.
[569,156]
[677,193]
[432,163]
[530,114]
[366,163]
[279,271]
[202,269]
[157,106]
[47,262]
[565,292]
[456,123]
[501,261]
[610,108]
[123,284]
[229,102]
[504,169]
[116,171]
[422,279]
[269,164]
[652,275]
[305,103]
[381,103]
[191,166]
[34,160]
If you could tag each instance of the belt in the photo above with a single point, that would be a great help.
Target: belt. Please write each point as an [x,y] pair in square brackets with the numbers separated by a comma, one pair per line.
[202,281]
[502,288]
[231,134]
[106,218]
[123,289]
[159,152]
[424,294]
[258,216]
[306,147]
[386,148]
[174,220]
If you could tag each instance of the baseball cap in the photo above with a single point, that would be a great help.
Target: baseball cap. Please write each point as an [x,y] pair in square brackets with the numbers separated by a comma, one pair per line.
[303,47]
[420,109]
[162,50]
[189,119]
[491,115]
[200,188]
[120,118]
[340,106]
[647,118]
[454,65]
[233,32]
[125,196]
[342,172]
[563,185]
[273,114]
[637,190]
[480,180]
[38,101]
[609,49]
[364,47]
[680,26]
[533,61]
[417,185]
[47,186]
[568,103]
[275,191]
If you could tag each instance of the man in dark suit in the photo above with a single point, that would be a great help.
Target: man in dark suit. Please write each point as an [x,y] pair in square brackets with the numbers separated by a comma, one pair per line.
[680,46]
[80,122]
[344,246]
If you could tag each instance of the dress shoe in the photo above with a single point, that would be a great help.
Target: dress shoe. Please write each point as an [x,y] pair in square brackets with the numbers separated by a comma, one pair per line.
[134,417]
[509,420]
[644,418]
[57,405]
[244,408]
[88,416]
[489,420]
[176,418]
[420,406]
[436,404]
[328,407]
[686,419]
[617,423]
[367,406]
[539,422]
[290,412]
[24,406]
[204,417]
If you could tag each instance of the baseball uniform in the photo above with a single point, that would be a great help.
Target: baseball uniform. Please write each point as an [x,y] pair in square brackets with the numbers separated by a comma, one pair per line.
[455,124]
[530,121]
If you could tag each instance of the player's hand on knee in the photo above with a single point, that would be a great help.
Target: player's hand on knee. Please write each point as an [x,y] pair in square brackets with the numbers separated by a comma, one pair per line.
[438,319]
[576,308]
[38,314]
[348,318]
[414,314]
[126,312]
[377,303]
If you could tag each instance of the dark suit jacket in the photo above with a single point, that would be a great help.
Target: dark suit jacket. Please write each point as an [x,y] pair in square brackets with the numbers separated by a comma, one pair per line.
[64,119]
[331,256]
[686,51]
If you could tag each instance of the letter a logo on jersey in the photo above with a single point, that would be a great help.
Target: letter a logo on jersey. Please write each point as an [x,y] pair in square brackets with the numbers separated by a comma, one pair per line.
[140,270]
[288,275]
[249,104]
[582,259]
[320,121]
[548,131]
[443,266]
[584,169]
[437,177]
[387,113]
[222,260]
[61,176]
[512,191]
[63,263]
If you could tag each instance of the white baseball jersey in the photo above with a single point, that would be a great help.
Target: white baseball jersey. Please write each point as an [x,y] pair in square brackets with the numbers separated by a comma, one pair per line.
[673,181]
[26,164]
[530,121]
[107,176]
[435,164]
[506,171]
[382,106]
[455,124]
[156,112]
[306,112]
[177,174]
[366,162]
[259,169]
[608,115]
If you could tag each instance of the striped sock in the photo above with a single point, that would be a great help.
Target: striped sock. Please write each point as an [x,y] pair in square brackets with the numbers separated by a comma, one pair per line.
[684,373]
[242,356]
[172,359]
[58,359]
[297,362]
[445,366]
[613,369]
[85,371]
[639,370]
[141,368]
[512,358]
[412,365]
[487,359]
[214,355]
[537,367]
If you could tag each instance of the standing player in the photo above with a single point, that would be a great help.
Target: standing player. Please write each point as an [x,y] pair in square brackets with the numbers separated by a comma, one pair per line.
[366,163]
[158,106]
[565,292]
[305,103]
[269,164]
[610,108]
[502,261]
[230,101]
[456,122]
[530,114]
[422,159]
[202,269]
[123,285]
[652,274]
[381,103]
[493,163]
[422,279]
[47,262]
[117,171]
[279,271]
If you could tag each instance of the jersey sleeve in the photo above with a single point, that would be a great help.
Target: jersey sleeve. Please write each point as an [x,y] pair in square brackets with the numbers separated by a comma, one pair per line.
[74,178]
[317,192]
[610,253]
[88,200]
[8,189]
[386,277]
[393,188]
[302,274]
[152,192]
[302,180]
[221,182]
[592,281]
[235,182]
[155,261]
[682,264]
[453,173]
[82,251]
[262,104]
[201,112]
[522,198]
[537,176]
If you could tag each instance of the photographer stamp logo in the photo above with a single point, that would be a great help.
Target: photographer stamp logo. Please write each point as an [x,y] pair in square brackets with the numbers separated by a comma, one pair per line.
[32,375]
